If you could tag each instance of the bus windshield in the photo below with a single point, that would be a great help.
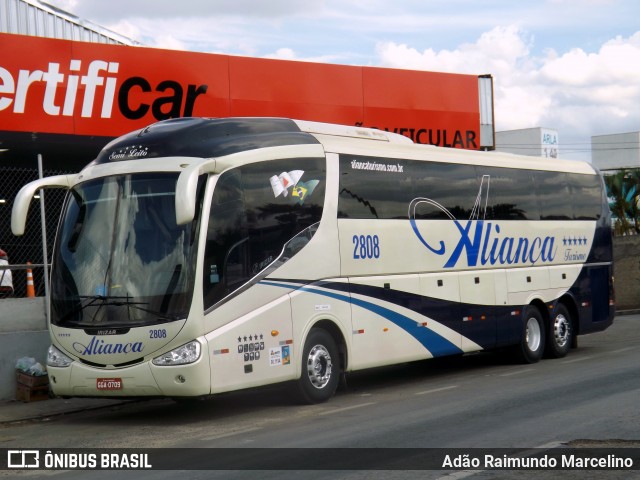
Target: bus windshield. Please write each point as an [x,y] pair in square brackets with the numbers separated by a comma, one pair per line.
[120,259]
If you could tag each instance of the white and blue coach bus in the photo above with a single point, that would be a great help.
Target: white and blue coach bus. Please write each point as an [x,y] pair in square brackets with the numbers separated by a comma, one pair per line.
[199,256]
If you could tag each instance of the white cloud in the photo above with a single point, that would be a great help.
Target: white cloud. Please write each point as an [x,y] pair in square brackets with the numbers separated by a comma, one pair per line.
[577,93]
[492,49]
[597,93]
[617,61]
[502,52]
[200,35]
[138,32]
[289,54]
[575,75]
[283,54]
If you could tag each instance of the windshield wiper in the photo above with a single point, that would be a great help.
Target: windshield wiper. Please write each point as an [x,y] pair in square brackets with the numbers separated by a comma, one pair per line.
[92,299]
[117,301]
[136,306]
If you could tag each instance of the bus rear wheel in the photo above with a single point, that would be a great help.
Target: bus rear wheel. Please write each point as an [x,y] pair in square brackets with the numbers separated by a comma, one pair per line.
[560,333]
[532,339]
[320,368]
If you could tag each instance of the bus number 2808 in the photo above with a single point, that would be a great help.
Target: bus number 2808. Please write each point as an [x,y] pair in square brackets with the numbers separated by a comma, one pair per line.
[366,247]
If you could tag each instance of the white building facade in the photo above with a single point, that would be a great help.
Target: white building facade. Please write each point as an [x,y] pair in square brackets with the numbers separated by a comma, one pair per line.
[39,19]
[535,142]
[615,152]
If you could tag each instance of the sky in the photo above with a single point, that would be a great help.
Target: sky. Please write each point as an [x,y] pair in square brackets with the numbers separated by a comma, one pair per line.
[568,65]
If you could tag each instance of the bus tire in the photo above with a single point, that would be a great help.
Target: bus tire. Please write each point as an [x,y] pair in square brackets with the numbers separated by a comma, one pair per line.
[531,345]
[560,333]
[320,368]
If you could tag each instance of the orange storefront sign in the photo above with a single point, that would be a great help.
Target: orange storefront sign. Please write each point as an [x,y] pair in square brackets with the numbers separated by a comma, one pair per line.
[65,87]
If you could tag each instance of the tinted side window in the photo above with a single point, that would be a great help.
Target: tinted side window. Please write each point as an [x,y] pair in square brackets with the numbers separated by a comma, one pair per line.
[384,188]
[279,204]
[452,186]
[381,188]
[374,187]
[586,192]
[511,194]
[257,209]
[553,193]
[225,265]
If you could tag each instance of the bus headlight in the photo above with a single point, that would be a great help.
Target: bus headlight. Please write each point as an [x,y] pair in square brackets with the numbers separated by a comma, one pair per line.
[55,358]
[187,353]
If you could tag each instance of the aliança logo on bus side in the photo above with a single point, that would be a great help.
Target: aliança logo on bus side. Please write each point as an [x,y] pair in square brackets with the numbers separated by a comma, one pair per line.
[483,242]
[484,245]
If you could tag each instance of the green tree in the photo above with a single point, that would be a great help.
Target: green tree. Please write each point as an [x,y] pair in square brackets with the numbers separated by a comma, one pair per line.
[634,207]
[623,191]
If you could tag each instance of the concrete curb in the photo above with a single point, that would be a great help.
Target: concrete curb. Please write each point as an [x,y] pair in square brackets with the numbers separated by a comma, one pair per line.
[15,411]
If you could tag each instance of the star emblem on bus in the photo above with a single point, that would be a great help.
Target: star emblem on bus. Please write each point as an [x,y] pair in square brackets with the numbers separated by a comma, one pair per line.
[574,240]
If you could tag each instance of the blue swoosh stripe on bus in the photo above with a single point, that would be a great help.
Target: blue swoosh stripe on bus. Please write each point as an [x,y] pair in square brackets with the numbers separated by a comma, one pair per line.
[436,344]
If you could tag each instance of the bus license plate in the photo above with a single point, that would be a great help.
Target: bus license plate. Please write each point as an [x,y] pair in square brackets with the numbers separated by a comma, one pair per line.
[109,383]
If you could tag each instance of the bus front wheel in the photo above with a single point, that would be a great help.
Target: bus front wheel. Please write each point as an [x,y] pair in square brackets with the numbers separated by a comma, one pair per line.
[320,368]
[531,345]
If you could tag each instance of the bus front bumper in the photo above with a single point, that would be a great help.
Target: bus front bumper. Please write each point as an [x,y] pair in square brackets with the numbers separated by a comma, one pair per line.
[142,380]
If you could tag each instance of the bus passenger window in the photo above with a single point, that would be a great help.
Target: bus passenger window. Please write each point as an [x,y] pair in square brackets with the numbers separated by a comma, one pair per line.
[253,225]
[552,189]
[226,228]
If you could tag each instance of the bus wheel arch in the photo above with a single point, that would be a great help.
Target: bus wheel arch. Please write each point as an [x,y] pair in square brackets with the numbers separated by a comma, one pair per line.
[561,329]
[322,362]
[572,306]
[338,336]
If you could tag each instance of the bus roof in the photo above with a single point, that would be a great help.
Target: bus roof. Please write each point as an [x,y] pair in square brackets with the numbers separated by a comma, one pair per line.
[218,137]
[412,151]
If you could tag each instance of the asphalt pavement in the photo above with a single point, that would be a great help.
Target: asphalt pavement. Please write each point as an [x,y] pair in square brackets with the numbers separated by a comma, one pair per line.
[17,411]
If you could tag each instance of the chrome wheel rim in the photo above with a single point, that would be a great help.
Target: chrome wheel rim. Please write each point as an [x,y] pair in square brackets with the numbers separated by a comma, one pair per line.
[561,330]
[319,366]
[533,334]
